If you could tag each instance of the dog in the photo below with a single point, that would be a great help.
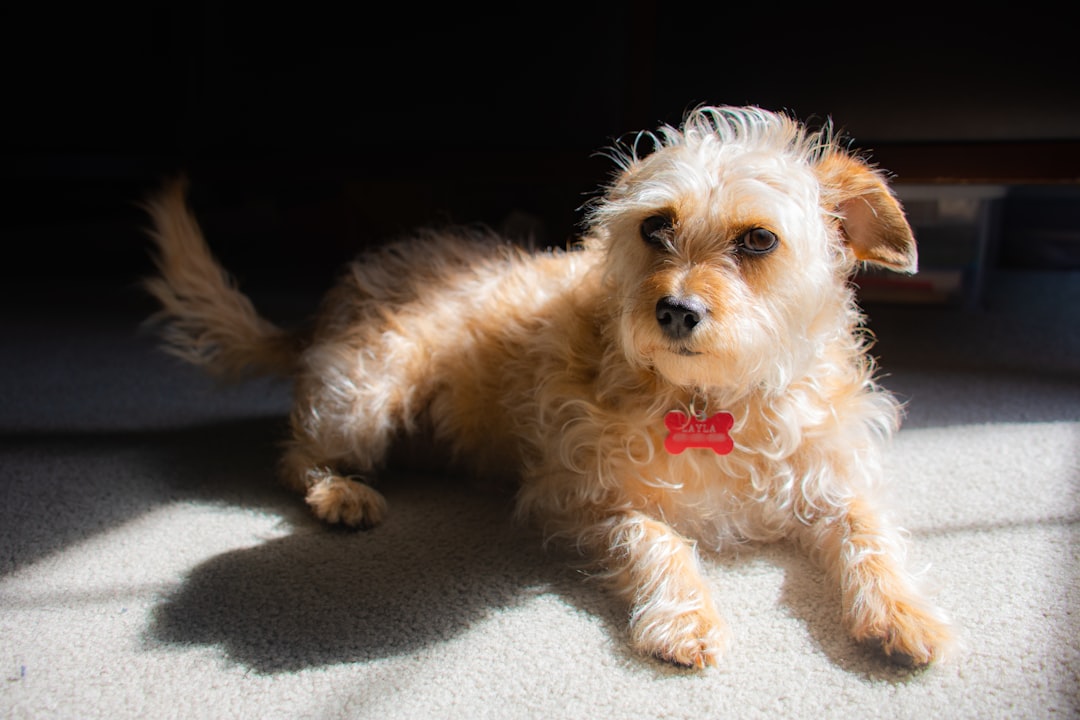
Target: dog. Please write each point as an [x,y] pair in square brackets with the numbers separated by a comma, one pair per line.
[695,370]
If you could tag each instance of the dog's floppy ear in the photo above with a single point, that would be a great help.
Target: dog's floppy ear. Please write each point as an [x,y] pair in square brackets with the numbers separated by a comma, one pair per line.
[872,222]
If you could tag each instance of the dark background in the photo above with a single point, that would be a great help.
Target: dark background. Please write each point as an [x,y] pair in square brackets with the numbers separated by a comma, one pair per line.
[311,130]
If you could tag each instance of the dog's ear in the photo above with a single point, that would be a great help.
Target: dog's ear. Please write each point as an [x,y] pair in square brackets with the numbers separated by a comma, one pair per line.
[871,219]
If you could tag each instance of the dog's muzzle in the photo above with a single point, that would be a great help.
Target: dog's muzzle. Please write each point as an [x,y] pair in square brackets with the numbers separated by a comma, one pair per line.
[678,316]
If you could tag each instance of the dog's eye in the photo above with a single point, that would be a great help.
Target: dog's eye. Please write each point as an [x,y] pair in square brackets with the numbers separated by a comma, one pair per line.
[656,230]
[758,241]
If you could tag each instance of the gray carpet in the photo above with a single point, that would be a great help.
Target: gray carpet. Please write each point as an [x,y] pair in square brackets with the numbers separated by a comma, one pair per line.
[150,567]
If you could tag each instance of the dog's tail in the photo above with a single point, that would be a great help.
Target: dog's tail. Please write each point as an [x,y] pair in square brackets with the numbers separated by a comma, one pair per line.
[205,319]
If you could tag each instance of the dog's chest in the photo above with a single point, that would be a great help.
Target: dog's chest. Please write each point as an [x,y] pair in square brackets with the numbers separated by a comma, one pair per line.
[705,495]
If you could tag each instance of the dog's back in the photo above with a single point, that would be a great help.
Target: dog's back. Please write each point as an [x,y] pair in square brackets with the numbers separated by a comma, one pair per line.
[455,327]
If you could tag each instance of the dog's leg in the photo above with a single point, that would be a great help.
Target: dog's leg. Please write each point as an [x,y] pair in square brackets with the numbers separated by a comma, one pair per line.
[333,497]
[350,402]
[672,613]
[882,603]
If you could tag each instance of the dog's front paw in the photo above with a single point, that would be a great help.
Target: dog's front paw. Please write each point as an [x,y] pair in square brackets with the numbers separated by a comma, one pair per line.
[691,639]
[349,502]
[908,633]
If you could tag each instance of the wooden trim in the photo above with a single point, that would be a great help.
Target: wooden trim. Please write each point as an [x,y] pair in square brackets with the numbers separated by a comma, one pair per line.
[1004,163]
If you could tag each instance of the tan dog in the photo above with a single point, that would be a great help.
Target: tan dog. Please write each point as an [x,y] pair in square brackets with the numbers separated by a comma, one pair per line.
[694,372]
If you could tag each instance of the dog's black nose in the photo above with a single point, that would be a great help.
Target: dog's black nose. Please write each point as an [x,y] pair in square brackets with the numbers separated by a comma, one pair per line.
[678,316]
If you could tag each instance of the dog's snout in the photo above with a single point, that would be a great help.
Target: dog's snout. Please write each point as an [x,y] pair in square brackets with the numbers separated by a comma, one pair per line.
[678,316]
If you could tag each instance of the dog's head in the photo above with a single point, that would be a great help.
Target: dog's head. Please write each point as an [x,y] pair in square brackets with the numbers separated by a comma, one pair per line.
[730,246]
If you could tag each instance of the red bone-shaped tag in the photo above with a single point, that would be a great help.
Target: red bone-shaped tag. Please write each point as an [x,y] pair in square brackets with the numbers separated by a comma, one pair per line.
[685,432]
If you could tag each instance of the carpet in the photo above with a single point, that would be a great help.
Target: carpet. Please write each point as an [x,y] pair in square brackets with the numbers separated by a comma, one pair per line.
[150,566]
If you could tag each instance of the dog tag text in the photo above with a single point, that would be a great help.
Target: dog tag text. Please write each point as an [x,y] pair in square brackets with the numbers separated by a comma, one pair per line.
[685,431]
